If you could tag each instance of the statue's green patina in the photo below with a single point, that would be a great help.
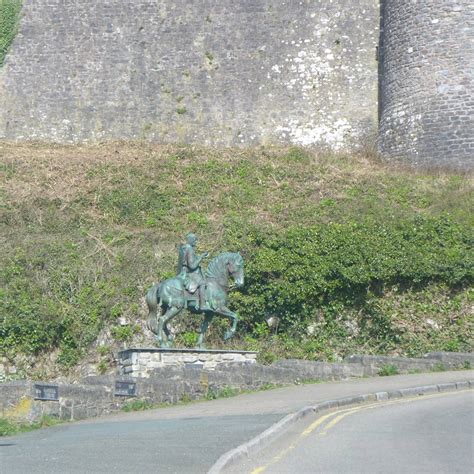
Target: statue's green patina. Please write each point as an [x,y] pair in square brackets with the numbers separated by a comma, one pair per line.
[198,291]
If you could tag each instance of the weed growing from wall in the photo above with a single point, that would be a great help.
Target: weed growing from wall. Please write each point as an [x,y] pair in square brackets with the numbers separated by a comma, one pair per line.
[388,369]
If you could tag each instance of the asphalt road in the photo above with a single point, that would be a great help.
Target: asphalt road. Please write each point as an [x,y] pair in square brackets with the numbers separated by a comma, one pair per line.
[164,446]
[181,439]
[430,434]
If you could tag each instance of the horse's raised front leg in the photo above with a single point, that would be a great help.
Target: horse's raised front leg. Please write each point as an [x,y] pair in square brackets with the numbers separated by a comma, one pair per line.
[204,326]
[234,317]
[163,332]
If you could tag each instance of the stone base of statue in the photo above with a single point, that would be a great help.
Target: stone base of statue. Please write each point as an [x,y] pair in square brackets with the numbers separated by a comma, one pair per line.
[141,362]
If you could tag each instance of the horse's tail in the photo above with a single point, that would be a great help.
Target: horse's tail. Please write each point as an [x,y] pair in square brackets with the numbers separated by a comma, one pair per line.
[154,308]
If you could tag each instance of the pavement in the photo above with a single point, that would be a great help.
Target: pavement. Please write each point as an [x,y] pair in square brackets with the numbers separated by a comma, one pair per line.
[289,399]
[187,438]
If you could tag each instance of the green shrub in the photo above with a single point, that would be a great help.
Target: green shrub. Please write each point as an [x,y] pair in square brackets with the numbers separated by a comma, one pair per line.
[439,367]
[102,367]
[9,427]
[49,300]
[225,392]
[9,17]
[104,350]
[187,339]
[124,333]
[145,205]
[293,273]
[137,405]
[388,369]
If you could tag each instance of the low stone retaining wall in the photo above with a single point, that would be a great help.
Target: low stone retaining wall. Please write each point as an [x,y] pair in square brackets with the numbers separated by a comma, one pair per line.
[75,401]
[96,396]
[141,362]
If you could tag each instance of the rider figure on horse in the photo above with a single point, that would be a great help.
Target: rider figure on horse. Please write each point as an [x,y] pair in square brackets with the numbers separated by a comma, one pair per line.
[189,270]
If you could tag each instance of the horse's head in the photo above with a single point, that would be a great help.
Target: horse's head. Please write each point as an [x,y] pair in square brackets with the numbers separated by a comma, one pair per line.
[226,265]
[235,267]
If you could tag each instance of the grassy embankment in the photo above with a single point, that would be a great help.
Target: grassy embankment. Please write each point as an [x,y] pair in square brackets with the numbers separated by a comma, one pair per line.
[351,255]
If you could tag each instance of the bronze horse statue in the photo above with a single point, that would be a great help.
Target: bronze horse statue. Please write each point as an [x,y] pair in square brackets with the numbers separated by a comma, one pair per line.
[168,298]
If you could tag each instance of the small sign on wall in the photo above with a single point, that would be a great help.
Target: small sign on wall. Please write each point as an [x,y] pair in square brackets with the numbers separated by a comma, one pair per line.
[125,389]
[46,392]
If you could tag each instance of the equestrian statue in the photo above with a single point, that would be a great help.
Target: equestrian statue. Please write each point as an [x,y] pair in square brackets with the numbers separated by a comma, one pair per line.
[195,290]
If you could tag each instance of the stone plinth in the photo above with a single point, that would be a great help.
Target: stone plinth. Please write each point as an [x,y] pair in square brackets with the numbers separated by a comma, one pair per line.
[140,362]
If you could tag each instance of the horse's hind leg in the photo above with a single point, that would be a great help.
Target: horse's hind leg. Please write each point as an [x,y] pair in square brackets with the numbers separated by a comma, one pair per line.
[168,334]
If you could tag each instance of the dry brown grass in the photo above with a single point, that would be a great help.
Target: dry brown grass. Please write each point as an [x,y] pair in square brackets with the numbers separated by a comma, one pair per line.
[61,170]
[276,187]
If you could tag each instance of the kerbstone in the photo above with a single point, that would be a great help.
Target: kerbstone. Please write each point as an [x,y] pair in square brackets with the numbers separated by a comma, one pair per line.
[444,387]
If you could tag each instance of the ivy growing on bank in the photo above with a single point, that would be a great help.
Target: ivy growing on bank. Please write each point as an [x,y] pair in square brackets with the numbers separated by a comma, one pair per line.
[293,273]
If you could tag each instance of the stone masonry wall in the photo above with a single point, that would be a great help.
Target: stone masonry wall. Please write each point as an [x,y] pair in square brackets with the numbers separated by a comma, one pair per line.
[427,82]
[97,396]
[197,71]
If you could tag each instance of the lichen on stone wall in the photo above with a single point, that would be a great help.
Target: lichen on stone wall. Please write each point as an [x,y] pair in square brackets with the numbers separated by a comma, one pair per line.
[334,136]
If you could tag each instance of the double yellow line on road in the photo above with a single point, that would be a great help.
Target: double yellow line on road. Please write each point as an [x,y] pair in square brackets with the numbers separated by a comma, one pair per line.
[335,417]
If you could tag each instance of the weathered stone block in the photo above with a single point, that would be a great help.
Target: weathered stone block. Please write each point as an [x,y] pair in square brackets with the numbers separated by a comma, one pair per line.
[151,359]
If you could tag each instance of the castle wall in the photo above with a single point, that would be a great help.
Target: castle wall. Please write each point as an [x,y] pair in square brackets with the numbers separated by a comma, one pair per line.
[198,71]
[427,82]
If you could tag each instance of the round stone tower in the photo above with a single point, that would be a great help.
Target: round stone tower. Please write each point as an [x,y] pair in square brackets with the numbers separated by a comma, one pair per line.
[427,82]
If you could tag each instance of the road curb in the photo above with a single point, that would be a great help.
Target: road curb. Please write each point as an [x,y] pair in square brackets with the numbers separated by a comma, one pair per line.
[266,437]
